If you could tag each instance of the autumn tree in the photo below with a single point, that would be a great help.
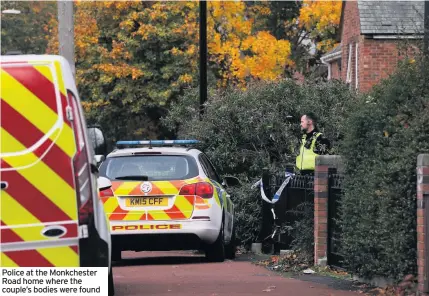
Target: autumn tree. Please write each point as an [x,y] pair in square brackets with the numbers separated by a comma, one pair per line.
[318,22]
[321,20]
[310,27]
[238,51]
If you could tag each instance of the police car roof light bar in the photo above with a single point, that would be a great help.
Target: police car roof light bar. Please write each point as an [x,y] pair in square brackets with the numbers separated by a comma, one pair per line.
[151,143]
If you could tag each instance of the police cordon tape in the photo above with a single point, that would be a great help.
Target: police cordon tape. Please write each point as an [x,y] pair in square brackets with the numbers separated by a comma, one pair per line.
[277,195]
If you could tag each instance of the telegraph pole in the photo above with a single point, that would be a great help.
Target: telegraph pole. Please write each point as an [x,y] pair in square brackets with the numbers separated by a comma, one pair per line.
[66,32]
[203,55]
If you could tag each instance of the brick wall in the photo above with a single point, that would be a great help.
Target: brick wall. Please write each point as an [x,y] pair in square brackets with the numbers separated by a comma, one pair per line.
[422,222]
[321,180]
[320,214]
[335,69]
[379,59]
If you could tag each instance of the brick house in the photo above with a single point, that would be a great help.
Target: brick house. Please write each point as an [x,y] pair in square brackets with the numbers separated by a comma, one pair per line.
[370,32]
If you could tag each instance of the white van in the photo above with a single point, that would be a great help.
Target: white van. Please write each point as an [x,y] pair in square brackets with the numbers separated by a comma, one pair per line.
[51,215]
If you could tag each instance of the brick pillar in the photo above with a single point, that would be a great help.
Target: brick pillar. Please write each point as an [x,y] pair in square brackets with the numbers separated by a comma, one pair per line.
[321,179]
[423,222]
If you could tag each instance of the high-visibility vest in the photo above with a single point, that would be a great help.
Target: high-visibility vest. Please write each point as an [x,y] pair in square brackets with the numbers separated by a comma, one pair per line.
[306,160]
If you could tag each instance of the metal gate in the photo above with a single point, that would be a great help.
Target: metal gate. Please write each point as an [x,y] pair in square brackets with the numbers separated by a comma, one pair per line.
[300,190]
[334,229]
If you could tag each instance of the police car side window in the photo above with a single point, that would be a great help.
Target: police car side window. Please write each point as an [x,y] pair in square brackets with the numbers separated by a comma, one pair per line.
[211,172]
[204,165]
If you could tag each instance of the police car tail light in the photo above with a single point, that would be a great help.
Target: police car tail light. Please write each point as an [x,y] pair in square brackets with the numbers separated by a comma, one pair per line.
[204,190]
[80,164]
[187,190]
[107,193]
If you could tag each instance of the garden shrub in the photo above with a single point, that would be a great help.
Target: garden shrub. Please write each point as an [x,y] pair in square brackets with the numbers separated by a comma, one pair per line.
[383,135]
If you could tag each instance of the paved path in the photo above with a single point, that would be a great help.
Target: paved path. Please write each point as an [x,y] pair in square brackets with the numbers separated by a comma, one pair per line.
[180,274]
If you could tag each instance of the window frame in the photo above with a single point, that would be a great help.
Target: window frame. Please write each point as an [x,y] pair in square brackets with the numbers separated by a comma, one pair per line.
[208,166]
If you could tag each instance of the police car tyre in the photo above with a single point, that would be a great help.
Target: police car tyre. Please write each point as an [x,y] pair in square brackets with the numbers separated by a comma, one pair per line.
[116,254]
[216,251]
[111,283]
[231,248]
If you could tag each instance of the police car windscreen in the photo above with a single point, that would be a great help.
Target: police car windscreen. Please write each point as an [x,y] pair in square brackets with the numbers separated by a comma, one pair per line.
[154,167]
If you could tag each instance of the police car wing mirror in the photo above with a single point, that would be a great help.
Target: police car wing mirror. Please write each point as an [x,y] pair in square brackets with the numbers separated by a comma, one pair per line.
[99,159]
[231,181]
[103,183]
[98,140]
[94,169]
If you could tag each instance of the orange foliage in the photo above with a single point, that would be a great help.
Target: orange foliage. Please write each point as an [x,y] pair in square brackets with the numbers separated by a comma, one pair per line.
[321,18]
[243,53]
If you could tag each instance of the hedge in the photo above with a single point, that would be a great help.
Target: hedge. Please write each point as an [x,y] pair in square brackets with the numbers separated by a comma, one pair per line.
[383,135]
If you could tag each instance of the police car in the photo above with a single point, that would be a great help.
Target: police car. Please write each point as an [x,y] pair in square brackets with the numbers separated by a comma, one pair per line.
[168,197]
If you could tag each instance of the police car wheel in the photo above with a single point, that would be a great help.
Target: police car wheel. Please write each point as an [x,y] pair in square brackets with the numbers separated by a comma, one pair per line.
[231,248]
[111,283]
[216,251]
[116,254]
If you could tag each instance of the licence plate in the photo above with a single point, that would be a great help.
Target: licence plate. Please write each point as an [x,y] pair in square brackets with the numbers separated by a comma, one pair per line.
[146,202]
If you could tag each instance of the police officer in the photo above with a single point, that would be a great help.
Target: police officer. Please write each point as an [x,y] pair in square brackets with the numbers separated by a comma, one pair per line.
[313,143]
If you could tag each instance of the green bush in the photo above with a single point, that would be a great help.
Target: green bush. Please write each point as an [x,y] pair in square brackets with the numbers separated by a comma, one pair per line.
[247,213]
[245,131]
[302,231]
[383,135]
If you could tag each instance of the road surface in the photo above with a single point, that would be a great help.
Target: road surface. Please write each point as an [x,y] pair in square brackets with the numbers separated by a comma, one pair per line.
[186,274]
